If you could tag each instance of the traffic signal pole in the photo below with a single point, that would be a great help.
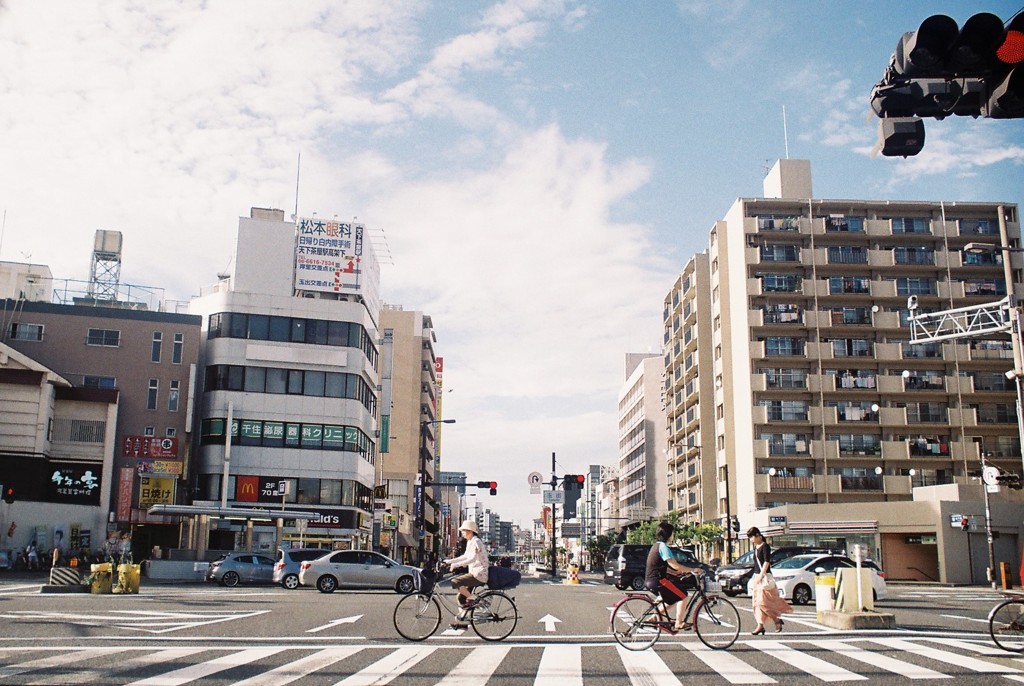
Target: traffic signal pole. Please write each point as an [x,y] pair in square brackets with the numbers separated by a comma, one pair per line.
[554,485]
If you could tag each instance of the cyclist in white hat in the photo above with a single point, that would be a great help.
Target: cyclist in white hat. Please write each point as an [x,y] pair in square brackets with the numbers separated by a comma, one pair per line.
[475,558]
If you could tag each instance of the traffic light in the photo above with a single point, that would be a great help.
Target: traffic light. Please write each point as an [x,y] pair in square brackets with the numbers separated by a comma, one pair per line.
[965,523]
[735,524]
[1010,479]
[573,482]
[8,494]
[493,485]
[942,69]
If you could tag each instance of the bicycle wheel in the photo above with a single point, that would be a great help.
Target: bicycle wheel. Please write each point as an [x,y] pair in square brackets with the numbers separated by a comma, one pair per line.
[494,617]
[1006,625]
[717,623]
[417,616]
[635,622]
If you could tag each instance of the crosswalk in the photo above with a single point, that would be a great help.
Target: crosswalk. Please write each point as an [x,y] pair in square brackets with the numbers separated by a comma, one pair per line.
[764,661]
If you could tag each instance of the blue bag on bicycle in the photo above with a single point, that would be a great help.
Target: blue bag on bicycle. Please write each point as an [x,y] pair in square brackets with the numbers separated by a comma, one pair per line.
[499,578]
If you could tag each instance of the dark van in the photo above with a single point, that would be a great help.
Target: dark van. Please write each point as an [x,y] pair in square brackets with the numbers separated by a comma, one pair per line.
[626,564]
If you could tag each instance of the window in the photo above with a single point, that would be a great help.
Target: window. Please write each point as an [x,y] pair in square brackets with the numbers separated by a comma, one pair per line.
[910,225]
[151,397]
[785,410]
[27,332]
[838,223]
[849,284]
[105,337]
[780,253]
[782,313]
[170,432]
[846,254]
[916,255]
[850,315]
[783,377]
[775,346]
[172,396]
[99,382]
[149,431]
[780,283]
[158,340]
[176,350]
[915,286]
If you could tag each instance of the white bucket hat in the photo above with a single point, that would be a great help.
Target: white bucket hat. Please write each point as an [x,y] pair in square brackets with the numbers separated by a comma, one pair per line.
[469,525]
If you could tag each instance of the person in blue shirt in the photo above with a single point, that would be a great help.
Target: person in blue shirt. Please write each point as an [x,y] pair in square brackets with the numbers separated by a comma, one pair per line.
[664,572]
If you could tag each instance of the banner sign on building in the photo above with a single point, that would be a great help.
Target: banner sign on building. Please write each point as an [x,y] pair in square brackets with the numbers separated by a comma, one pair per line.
[73,483]
[149,446]
[156,490]
[335,257]
[168,467]
[124,494]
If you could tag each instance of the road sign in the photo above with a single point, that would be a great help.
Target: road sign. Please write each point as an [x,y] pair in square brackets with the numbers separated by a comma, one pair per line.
[554,497]
[991,475]
[535,479]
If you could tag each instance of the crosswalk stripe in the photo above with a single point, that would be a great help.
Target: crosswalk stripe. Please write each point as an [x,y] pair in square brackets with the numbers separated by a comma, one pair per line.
[385,670]
[477,667]
[89,673]
[646,669]
[287,673]
[890,664]
[729,667]
[203,669]
[826,671]
[944,656]
[560,665]
[990,650]
[59,660]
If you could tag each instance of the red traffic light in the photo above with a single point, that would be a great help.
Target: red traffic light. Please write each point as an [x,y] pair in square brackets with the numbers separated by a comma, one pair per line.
[8,494]
[492,485]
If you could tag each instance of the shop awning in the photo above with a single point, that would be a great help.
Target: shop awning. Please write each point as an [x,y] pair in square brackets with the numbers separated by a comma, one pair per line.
[256,514]
[833,527]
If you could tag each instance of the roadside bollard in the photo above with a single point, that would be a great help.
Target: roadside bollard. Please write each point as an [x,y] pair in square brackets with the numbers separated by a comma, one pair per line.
[572,574]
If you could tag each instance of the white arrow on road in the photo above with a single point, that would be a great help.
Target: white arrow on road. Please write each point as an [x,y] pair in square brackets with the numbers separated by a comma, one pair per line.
[343,620]
[549,622]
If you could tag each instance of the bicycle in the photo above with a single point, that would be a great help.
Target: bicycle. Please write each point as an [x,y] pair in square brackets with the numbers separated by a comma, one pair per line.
[1006,623]
[639,618]
[492,614]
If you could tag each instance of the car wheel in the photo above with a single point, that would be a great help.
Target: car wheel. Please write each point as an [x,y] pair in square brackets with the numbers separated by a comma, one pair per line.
[230,579]
[621,587]
[731,594]
[290,581]
[405,585]
[637,583]
[326,584]
[801,595]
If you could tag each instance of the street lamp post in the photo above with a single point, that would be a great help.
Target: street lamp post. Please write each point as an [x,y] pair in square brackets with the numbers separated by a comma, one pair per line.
[421,518]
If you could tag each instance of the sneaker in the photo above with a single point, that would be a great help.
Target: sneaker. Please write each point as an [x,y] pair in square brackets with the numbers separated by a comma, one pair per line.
[458,625]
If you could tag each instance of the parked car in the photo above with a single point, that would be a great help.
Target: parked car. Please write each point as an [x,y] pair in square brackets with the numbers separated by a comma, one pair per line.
[795,575]
[289,561]
[241,568]
[356,569]
[626,564]
[734,577]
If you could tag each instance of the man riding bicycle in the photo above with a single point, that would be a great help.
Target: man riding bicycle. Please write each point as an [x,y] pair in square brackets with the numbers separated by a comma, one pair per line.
[475,558]
[664,572]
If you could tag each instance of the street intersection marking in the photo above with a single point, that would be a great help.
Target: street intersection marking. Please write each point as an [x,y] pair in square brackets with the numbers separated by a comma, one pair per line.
[153,622]
[343,620]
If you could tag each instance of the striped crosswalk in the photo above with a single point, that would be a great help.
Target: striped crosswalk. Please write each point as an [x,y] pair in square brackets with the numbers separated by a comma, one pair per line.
[764,661]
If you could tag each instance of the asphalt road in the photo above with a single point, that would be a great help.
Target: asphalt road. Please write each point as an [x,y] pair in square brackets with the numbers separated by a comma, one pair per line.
[172,634]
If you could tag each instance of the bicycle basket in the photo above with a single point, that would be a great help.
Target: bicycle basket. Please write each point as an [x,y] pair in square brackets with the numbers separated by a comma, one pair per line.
[424,581]
[711,585]
[502,577]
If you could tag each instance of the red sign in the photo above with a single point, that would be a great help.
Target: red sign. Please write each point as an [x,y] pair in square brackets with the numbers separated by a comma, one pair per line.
[149,446]
[247,488]
[124,494]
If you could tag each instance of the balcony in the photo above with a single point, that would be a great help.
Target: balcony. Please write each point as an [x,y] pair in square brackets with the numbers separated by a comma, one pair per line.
[890,384]
[854,484]
[895,450]
[821,384]
[967,416]
[886,320]
[889,352]
[883,289]
[881,258]
[947,290]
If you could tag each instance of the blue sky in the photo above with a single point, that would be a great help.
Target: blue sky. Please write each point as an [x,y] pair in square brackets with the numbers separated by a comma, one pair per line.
[535,171]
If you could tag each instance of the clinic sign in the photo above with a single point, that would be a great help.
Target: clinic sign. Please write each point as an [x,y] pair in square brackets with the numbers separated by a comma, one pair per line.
[336,257]
[328,255]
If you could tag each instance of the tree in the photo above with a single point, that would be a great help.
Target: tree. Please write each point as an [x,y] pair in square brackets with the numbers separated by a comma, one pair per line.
[598,548]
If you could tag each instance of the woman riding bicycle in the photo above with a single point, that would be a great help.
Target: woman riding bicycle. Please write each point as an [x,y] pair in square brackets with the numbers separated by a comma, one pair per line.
[664,572]
[475,558]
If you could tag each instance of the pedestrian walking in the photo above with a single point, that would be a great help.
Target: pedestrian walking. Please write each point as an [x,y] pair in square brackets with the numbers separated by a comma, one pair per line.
[768,605]
[32,556]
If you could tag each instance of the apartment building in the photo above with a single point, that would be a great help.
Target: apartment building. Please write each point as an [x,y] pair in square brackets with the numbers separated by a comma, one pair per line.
[794,342]
[642,462]
[288,371]
[413,415]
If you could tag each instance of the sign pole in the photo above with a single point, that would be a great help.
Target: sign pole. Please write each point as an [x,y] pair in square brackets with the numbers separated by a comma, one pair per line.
[554,485]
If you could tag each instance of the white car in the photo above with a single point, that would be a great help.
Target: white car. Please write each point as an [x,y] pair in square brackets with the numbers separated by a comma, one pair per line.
[795,576]
[356,569]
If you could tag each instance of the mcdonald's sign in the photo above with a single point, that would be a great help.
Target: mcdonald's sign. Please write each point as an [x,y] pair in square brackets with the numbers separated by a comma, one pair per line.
[247,489]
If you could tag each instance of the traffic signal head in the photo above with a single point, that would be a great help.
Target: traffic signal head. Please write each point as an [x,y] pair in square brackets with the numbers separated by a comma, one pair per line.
[1011,480]
[8,494]
[573,482]
[736,524]
[965,523]
[492,485]
[921,52]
